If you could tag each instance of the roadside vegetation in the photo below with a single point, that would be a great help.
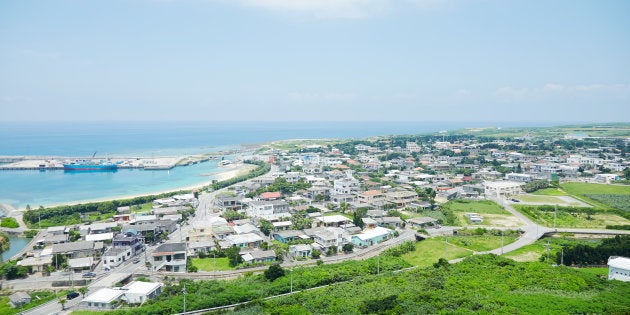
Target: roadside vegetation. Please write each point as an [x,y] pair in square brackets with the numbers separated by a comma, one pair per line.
[572,217]
[10,223]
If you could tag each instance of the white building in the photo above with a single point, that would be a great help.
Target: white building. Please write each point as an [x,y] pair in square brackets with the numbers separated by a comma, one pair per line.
[502,189]
[138,292]
[103,299]
[619,268]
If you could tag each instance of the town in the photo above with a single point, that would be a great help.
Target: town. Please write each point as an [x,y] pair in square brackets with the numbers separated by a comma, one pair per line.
[327,201]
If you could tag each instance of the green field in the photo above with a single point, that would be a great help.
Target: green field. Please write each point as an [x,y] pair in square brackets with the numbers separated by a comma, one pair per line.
[578,218]
[431,250]
[483,206]
[207,264]
[549,192]
[583,190]
[480,243]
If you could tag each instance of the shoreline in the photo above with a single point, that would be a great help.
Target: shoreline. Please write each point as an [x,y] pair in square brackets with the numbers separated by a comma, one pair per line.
[229,172]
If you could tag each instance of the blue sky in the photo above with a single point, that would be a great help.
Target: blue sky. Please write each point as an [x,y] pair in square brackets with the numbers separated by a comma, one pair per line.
[411,60]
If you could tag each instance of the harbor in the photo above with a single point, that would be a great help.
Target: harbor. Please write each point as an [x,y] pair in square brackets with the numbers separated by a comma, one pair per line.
[62,163]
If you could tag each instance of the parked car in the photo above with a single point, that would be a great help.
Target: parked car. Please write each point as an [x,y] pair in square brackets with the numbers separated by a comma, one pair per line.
[89,275]
[137,260]
[72,295]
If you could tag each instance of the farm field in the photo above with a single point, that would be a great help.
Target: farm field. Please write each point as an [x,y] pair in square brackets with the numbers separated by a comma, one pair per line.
[600,195]
[480,243]
[576,218]
[534,251]
[550,192]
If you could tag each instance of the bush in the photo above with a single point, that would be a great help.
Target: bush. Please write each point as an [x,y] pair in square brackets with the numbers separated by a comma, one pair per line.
[10,223]
[274,272]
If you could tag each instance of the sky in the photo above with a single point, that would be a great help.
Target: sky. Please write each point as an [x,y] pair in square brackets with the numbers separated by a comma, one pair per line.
[308,60]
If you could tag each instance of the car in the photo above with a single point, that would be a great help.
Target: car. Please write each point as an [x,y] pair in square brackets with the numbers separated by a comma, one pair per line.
[137,260]
[89,275]
[72,295]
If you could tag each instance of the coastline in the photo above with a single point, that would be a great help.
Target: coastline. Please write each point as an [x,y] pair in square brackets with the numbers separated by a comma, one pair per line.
[229,172]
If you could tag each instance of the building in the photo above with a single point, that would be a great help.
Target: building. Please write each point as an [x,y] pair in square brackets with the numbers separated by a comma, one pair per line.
[103,299]
[422,222]
[259,256]
[138,292]
[116,256]
[300,250]
[518,177]
[170,257]
[619,268]
[502,189]
[372,236]
[401,198]
[371,197]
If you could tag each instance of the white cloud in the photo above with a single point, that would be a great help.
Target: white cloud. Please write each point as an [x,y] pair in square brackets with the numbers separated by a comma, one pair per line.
[324,9]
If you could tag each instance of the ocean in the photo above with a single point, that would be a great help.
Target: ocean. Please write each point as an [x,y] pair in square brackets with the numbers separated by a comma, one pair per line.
[152,139]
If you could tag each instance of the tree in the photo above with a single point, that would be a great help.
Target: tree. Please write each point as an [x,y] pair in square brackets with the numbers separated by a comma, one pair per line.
[343,207]
[265,226]
[233,254]
[274,272]
[359,214]
[83,291]
[347,248]
[315,254]
[62,301]
[626,173]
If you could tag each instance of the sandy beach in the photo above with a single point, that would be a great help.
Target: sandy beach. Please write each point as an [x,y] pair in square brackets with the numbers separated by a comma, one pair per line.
[229,171]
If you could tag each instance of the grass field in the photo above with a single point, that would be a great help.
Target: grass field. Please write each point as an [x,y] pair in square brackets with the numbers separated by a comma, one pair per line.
[480,243]
[37,298]
[550,192]
[207,264]
[431,250]
[497,220]
[550,200]
[483,206]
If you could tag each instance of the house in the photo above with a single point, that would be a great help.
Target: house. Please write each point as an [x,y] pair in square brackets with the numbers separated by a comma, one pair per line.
[619,268]
[250,240]
[100,237]
[200,231]
[270,210]
[369,222]
[371,197]
[259,256]
[390,221]
[300,250]
[138,292]
[272,195]
[198,247]
[37,263]
[103,299]
[229,203]
[170,257]
[288,236]
[372,236]
[281,226]
[82,264]
[78,249]
[116,256]
[331,221]
[401,197]
[18,299]
[131,239]
[422,222]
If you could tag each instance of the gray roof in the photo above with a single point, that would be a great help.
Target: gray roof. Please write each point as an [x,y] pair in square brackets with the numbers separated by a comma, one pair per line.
[19,297]
[72,247]
[170,248]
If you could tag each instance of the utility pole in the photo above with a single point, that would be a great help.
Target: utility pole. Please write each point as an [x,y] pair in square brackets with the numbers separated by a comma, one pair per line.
[501,242]
[291,271]
[184,293]
[555,211]
[378,264]
[562,256]
[548,249]
[446,247]
[214,254]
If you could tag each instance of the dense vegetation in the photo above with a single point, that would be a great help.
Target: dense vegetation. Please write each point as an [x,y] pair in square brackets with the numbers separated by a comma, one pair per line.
[479,284]
[262,168]
[581,254]
[252,287]
[616,201]
[535,185]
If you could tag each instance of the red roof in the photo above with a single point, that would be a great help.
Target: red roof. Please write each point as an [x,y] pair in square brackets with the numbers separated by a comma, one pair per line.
[271,195]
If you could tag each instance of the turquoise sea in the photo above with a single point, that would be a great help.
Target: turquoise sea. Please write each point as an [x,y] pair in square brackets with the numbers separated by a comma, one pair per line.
[36,188]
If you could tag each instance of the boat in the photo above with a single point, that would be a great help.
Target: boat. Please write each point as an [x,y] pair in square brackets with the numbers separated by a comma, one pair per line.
[90,165]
